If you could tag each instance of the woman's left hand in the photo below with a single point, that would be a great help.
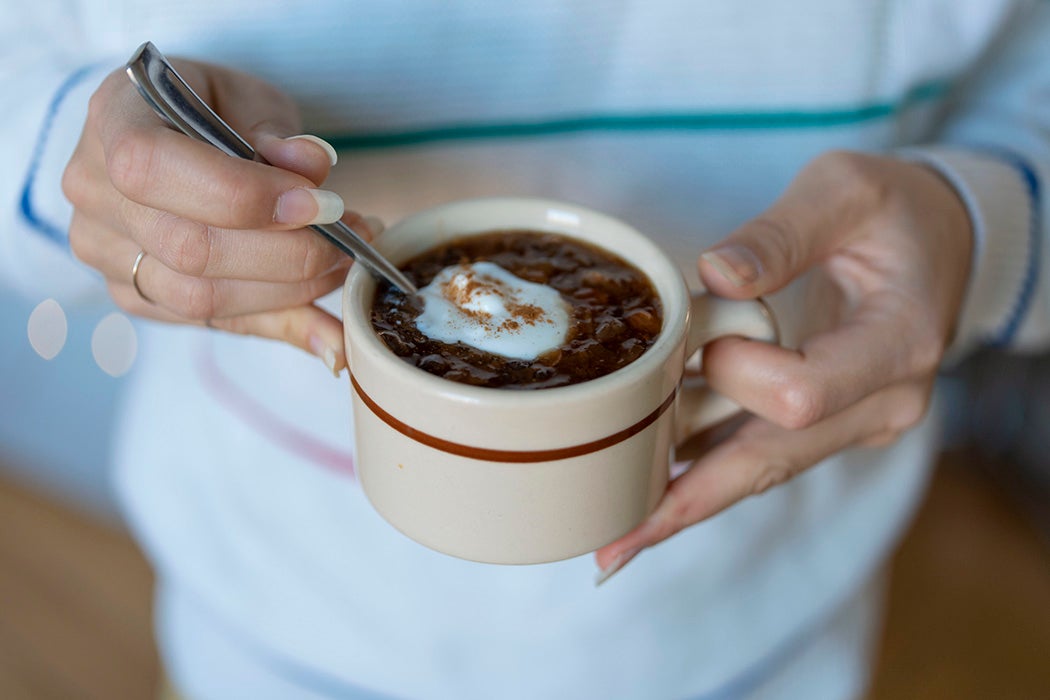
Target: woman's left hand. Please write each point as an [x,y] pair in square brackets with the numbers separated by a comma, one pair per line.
[892,242]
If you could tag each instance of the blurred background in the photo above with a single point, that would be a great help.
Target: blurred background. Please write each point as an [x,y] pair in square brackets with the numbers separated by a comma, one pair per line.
[969,599]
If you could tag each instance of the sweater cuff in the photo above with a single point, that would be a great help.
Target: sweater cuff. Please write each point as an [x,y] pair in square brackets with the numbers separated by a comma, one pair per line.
[1000,195]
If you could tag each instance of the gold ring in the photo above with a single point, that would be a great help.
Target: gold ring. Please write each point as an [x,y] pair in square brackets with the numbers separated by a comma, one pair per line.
[135,276]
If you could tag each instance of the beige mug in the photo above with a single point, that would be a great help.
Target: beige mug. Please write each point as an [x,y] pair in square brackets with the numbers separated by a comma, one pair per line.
[520,477]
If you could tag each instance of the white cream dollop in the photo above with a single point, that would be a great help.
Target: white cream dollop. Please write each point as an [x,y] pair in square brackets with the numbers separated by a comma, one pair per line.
[483,305]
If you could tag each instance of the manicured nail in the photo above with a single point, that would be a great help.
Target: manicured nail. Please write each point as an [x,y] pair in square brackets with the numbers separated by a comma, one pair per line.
[329,150]
[304,206]
[615,565]
[325,352]
[375,224]
[736,263]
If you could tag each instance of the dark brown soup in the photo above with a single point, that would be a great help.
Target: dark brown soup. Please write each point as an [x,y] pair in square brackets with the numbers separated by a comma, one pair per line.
[616,314]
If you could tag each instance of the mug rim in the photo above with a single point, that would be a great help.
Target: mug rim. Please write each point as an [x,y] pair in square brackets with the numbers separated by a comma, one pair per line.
[656,265]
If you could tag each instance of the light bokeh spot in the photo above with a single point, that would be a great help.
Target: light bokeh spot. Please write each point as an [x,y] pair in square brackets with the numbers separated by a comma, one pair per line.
[47,329]
[114,344]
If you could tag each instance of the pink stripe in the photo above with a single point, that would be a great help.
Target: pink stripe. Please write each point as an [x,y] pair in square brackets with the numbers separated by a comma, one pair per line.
[270,425]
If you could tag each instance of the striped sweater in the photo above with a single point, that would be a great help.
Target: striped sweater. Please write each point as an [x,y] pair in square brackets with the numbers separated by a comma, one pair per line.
[234,458]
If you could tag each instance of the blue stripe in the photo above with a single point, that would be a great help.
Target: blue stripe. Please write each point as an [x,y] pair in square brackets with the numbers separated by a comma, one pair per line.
[1035,248]
[48,229]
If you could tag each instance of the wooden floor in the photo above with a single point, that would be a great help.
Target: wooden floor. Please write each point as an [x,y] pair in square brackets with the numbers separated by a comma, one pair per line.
[969,604]
[74,605]
[969,614]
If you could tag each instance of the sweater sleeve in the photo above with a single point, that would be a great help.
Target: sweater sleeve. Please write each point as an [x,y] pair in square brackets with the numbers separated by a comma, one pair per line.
[995,149]
[45,61]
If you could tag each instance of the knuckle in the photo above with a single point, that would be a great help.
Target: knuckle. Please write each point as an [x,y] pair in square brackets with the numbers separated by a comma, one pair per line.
[775,473]
[75,181]
[241,325]
[311,256]
[118,293]
[80,242]
[245,200]
[130,162]
[286,328]
[185,245]
[909,411]
[840,161]
[927,352]
[857,178]
[801,405]
[195,298]
[779,239]
[669,524]
[98,102]
[319,286]
[841,164]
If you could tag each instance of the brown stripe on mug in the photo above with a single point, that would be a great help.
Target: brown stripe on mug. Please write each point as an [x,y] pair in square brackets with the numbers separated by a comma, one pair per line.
[513,456]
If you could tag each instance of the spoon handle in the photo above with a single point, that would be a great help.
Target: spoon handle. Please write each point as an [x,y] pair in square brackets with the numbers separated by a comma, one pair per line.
[170,97]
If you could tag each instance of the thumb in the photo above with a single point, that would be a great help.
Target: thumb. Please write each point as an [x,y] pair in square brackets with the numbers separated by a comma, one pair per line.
[764,255]
[828,199]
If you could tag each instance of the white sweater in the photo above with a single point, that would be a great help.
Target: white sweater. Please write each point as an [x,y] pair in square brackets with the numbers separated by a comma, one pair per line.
[234,458]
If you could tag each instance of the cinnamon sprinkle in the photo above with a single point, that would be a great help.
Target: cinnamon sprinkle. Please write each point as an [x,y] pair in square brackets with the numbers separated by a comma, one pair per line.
[465,285]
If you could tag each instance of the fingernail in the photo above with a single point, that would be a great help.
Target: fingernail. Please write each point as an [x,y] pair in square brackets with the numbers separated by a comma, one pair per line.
[615,565]
[304,206]
[325,352]
[375,224]
[736,263]
[329,150]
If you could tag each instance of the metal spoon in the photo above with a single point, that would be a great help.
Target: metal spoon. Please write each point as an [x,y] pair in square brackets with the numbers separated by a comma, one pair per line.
[171,98]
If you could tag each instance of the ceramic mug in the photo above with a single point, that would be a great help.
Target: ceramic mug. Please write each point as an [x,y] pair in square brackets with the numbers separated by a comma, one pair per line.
[518,476]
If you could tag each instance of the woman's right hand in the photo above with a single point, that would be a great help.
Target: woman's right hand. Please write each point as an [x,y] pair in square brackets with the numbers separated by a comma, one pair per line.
[224,238]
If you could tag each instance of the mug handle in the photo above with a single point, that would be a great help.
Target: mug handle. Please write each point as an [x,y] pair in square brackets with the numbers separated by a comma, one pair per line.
[712,317]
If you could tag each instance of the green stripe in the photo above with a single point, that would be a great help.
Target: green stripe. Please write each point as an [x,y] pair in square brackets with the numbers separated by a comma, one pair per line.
[665,121]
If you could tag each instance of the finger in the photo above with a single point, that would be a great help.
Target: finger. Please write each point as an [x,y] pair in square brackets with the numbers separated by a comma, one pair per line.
[828,202]
[129,300]
[306,327]
[185,296]
[98,245]
[760,456]
[875,346]
[198,250]
[84,178]
[160,168]
[195,249]
[305,154]
[204,298]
